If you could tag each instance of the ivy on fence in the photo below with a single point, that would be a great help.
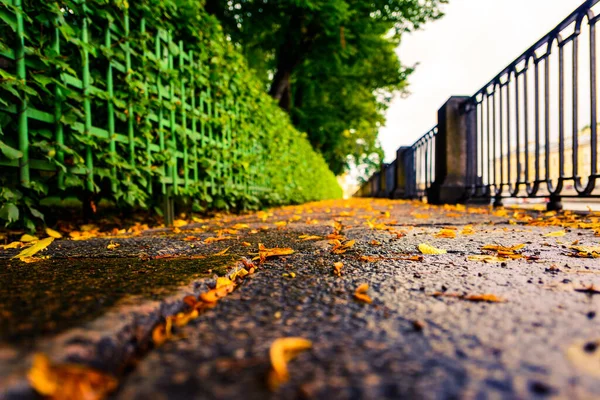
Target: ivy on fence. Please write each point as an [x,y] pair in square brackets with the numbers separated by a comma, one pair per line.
[136,101]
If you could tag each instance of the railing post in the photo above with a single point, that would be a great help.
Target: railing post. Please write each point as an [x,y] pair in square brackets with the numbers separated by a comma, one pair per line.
[454,153]
[402,173]
[383,183]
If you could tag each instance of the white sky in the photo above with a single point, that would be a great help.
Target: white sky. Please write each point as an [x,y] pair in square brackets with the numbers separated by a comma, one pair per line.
[460,53]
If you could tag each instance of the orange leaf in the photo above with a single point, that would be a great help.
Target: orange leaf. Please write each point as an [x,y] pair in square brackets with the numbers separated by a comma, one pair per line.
[361,293]
[69,381]
[282,351]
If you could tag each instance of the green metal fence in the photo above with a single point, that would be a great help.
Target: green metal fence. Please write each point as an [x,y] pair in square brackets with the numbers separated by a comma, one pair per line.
[103,100]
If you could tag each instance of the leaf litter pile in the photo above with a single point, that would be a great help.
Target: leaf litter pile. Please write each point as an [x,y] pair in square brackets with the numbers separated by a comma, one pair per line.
[328,224]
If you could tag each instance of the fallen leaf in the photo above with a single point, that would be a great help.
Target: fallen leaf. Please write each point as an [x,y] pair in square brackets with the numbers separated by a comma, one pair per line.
[282,351]
[162,332]
[241,226]
[425,248]
[212,296]
[209,240]
[467,230]
[264,253]
[341,248]
[555,234]
[28,238]
[486,258]
[310,237]
[32,250]
[337,268]
[222,252]
[69,381]
[446,233]
[490,298]
[112,245]
[178,223]
[53,233]
[12,245]
[375,243]
[361,293]
[368,258]
[223,281]
[495,247]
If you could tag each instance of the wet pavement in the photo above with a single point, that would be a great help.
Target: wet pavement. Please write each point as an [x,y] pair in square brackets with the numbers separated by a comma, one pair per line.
[421,337]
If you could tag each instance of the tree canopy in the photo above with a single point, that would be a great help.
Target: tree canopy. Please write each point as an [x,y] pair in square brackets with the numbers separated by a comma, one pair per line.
[332,64]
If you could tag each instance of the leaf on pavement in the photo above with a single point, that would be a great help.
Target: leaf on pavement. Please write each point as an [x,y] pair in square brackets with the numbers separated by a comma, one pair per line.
[69,381]
[337,268]
[495,247]
[223,252]
[32,250]
[162,332]
[264,253]
[341,248]
[212,296]
[360,294]
[487,258]
[446,233]
[26,238]
[485,297]
[586,251]
[368,258]
[223,281]
[53,233]
[468,230]
[426,248]
[112,245]
[282,351]
[12,245]
[217,239]
[310,237]
[555,234]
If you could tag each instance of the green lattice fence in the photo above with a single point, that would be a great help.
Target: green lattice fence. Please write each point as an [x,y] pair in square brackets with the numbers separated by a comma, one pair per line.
[140,102]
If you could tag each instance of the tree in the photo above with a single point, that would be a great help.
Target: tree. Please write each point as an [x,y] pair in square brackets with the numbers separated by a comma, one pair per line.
[330,63]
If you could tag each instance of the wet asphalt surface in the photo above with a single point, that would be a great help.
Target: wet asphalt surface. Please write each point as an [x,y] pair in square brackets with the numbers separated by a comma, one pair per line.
[406,344]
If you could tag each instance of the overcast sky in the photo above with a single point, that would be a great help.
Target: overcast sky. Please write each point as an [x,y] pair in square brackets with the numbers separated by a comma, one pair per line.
[460,53]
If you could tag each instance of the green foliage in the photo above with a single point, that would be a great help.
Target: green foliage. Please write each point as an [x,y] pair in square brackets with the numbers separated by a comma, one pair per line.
[129,100]
[331,63]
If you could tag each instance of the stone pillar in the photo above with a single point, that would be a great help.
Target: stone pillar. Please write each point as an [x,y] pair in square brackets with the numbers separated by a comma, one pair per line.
[454,153]
[402,178]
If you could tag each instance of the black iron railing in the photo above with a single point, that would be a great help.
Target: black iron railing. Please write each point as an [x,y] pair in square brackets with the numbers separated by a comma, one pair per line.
[531,131]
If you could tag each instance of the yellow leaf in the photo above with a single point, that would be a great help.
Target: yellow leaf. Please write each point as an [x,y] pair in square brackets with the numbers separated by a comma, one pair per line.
[490,298]
[241,226]
[162,332]
[69,381]
[32,250]
[28,238]
[555,234]
[310,237]
[178,223]
[282,351]
[112,245]
[446,233]
[222,252]
[212,296]
[223,281]
[505,249]
[468,230]
[264,253]
[12,245]
[425,248]
[53,233]
[486,258]
[361,294]
[217,239]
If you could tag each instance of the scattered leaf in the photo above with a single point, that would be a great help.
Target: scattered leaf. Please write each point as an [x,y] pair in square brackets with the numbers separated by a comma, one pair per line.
[487,258]
[360,294]
[555,234]
[112,245]
[425,248]
[53,233]
[69,381]
[337,268]
[264,253]
[446,233]
[282,351]
[223,252]
[32,250]
[26,238]
[209,240]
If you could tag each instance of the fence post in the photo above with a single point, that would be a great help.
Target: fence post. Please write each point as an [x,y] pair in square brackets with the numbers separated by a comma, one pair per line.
[455,153]
[383,183]
[402,178]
